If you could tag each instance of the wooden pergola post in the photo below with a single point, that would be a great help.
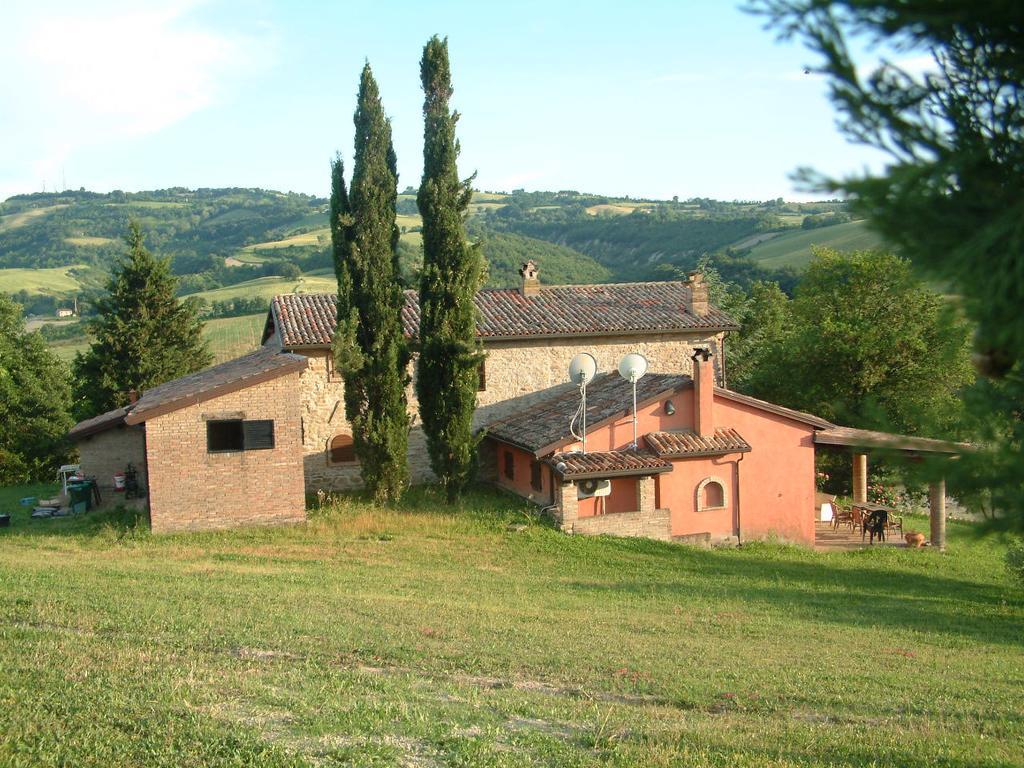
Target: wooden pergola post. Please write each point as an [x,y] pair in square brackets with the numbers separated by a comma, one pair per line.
[937,508]
[860,478]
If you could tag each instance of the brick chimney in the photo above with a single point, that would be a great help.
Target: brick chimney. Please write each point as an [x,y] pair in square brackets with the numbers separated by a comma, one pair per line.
[531,283]
[698,304]
[703,392]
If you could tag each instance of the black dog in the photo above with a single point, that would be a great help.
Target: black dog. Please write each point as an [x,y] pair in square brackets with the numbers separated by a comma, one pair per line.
[875,525]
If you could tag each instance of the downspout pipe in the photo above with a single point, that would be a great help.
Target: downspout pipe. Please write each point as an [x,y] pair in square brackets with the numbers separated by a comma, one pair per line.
[739,540]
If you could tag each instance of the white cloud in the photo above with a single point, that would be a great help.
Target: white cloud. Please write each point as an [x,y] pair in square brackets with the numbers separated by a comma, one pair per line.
[98,73]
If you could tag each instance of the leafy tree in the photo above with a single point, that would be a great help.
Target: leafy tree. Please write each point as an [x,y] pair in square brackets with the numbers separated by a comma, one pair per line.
[864,343]
[369,348]
[453,270]
[35,398]
[142,335]
[951,198]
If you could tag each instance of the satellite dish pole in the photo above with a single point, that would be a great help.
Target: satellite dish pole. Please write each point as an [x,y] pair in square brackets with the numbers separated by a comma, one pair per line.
[582,370]
[632,368]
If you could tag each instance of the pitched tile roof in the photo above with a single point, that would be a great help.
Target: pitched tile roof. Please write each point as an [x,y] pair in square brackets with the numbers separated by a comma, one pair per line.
[96,424]
[579,466]
[679,443]
[544,426]
[309,319]
[262,365]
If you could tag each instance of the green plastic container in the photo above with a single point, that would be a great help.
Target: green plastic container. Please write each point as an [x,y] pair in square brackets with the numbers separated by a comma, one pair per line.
[80,493]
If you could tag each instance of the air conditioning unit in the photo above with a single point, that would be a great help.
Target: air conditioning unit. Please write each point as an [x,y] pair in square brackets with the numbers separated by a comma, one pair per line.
[587,488]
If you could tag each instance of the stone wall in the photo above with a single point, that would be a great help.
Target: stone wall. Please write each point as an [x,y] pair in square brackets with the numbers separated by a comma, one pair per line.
[518,374]
[107,453]
[191,488]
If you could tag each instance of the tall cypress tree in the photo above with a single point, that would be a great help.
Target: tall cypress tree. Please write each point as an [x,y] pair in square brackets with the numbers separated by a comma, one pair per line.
[450,354]
[142,334]
[369,349]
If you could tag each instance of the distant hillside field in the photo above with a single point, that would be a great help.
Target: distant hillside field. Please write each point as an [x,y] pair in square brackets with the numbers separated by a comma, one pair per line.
[56,281]
[268,287]
[231,337]
[793,249]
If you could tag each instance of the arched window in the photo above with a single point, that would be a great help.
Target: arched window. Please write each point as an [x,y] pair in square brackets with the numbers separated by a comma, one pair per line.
[341,450]
[711,494]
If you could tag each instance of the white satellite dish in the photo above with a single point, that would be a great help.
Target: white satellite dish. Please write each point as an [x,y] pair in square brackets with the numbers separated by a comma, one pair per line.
[582,369]
[632,367]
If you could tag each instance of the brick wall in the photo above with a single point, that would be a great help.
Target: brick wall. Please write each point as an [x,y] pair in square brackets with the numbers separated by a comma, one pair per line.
[646,521]
[104,454]
[517,371]
[190,488]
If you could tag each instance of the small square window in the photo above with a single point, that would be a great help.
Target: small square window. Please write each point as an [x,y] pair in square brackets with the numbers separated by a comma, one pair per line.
[225,436]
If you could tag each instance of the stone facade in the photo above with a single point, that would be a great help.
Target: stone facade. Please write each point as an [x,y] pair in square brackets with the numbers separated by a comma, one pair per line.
[191,488]
[518,373]
[105,454]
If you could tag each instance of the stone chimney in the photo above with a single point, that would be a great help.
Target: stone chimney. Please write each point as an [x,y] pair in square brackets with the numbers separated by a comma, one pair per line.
[531,283]
[703,392]
[698,304]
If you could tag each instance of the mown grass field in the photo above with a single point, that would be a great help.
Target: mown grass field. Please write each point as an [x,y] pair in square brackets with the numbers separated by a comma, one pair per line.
[267,287]
[15,220]
[793,249]
[53,281]
[231,337]
[428,636]
[228,338]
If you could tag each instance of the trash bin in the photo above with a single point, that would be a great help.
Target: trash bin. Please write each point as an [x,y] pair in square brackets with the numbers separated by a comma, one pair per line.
[80,493]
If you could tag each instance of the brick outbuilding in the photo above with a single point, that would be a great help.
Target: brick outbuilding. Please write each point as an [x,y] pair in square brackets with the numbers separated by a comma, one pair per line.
[215,449]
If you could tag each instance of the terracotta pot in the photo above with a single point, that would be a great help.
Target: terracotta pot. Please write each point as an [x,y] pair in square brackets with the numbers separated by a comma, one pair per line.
[914,539]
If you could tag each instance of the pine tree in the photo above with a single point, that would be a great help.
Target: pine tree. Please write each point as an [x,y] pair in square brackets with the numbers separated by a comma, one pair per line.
[369,348]
[142,335]
[35,397]
[450,355]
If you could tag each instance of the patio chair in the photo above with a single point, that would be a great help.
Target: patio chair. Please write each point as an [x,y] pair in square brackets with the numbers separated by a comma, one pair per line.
[841,515]
[857,518]
[894,523]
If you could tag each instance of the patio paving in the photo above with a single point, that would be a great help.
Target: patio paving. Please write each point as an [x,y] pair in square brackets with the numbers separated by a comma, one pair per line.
[828,538]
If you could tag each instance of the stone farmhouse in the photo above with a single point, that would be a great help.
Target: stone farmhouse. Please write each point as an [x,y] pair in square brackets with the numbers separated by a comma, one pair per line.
[246,441]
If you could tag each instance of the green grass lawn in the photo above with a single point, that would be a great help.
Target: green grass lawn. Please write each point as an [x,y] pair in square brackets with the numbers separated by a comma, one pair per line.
[793,249]
[53,281]
[426,637]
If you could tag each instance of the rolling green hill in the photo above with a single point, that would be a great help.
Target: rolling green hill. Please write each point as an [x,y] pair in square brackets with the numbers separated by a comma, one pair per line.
[793,249]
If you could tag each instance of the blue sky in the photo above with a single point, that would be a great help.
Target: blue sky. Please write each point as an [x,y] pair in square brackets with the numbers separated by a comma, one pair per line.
[648,99]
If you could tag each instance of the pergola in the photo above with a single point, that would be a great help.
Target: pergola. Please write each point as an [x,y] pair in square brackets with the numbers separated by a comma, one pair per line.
[912,447]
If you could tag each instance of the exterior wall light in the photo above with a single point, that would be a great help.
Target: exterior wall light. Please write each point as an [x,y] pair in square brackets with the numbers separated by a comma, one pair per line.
[670,408]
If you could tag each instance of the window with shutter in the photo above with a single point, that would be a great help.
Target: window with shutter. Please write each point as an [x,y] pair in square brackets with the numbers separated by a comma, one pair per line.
[342,450]
[224,435]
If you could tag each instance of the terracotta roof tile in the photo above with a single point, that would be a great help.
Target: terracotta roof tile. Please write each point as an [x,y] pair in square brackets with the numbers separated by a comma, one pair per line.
[545,425]
[576,466]
[309,319]
[678,443]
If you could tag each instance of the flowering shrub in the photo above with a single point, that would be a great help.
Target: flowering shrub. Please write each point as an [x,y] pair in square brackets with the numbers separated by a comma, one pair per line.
[888,495]
[822,478]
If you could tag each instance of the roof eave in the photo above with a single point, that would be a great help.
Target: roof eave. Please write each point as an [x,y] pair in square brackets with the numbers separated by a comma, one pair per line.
[141,414]
[699,454]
